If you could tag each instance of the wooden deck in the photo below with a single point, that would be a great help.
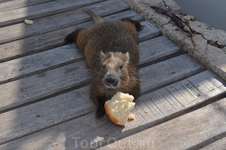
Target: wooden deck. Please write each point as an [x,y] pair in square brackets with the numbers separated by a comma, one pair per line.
[44,85]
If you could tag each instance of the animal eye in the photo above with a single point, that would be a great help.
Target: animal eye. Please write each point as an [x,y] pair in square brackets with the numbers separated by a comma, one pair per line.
[121,67]
[103,67]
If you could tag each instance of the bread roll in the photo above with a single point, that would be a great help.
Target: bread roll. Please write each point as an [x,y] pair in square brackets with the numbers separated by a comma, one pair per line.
[119,108]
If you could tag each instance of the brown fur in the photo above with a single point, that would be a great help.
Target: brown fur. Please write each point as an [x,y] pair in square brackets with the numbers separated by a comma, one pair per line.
[110,47]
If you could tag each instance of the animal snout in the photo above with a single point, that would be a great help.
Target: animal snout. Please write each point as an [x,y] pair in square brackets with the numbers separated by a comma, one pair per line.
[111,81]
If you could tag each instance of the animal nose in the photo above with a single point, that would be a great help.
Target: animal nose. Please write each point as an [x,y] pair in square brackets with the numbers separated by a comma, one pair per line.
[111,81]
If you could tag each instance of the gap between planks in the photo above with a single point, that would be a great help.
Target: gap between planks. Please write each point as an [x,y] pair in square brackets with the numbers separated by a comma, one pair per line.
[37,11]
[98,133]
[160,47]
[204,128]
[30,45]
[76,102]
[74,74]
[59,21]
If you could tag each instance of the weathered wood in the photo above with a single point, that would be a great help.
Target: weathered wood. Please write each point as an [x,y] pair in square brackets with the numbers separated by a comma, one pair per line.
[44,87]
[53,111]
[68,76]
[163,49]
[168,71]
[26,65]
[148,28]
[204,129]
[10,5]
[29,64]
[58,21]
[50,40]
[17,68]
[42,84]
[216,143]
[97,133]
[37,11]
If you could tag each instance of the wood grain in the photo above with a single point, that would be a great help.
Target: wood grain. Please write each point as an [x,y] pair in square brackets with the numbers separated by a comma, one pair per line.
[58,80]
[10,5]
[50,40]
[58,21]
[44,85]
[168,71]
[204,129]
[37,11]
[98,133]
[150,50]
[56,76]
[163,49]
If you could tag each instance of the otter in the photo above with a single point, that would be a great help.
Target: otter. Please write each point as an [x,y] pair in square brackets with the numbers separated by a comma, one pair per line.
[111,53]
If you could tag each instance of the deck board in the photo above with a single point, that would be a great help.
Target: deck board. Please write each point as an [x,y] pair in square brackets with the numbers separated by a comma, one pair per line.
[10,5]
[49,40]
[73,75]
[201,129]
[217,142]
[81,75]
[58,21]
[44,85]
[37,11]
[64,54]
[98,133]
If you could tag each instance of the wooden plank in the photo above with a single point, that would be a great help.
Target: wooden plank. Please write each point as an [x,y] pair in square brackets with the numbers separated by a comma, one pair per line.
[88,132]
[37,11]
[62,20]
[29,64]
[204,129]
[33,63]
[43,84]
[10,5]
[147,28]
[216,143]
[18,68]
[50,40]
[75,74]
[65,76]
[168,71]
[31,119]
[50,84]
[163,49]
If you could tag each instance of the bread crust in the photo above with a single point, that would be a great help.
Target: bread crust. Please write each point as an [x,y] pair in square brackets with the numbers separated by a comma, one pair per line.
[131,117]
[108,113]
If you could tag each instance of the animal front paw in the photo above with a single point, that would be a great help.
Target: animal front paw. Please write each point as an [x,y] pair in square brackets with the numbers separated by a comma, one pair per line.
[100,113]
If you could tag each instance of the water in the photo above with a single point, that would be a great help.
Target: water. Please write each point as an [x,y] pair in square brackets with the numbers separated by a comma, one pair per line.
[212,12]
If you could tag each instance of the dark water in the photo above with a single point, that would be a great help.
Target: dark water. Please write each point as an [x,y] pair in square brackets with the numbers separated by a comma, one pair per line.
[212,12]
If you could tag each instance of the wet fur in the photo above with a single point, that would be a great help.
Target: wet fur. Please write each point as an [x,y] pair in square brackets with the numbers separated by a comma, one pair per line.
[111,38]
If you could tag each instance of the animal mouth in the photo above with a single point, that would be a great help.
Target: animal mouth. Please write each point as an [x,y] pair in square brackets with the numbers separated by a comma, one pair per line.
[111,87]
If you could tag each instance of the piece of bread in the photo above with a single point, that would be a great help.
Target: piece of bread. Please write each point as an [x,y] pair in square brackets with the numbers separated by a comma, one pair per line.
[131,116]
[119,108]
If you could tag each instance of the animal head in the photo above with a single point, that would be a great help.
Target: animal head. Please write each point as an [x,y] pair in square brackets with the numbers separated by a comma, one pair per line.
[114,69]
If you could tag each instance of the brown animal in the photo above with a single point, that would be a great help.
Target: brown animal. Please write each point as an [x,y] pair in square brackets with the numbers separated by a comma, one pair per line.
[112,55]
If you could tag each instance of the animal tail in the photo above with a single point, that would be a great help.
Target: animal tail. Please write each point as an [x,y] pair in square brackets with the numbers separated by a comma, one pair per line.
[96,18]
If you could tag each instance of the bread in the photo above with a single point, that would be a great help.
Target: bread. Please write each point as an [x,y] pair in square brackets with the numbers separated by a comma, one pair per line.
[119,108]
[28,21]
[131,116]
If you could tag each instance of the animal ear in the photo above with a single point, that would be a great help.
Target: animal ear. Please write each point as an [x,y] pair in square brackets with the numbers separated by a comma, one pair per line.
[74,36]
[127,57]
[102,54]
[137,24]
